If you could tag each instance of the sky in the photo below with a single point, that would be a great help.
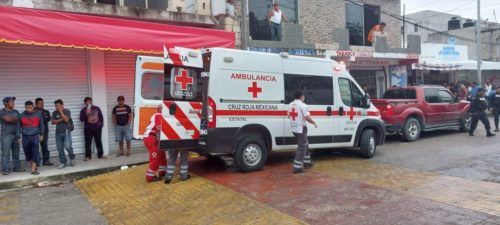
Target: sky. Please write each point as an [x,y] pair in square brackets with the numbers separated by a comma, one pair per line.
[464,8]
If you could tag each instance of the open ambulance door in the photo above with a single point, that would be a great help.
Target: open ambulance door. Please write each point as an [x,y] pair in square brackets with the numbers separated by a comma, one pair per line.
[173,82]
[149,94]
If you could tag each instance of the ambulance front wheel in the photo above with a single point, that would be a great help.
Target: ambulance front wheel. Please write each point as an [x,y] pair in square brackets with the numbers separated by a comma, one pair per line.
[368,143]
[250,154]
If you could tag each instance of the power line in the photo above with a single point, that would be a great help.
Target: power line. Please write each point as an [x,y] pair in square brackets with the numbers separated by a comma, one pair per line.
[415,24]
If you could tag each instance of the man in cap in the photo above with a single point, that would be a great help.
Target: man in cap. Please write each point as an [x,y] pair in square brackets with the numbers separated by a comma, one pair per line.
[9,119]
[122,118]
[479,104]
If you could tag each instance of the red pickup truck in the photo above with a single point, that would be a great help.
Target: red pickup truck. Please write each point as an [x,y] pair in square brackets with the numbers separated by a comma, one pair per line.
[411,110]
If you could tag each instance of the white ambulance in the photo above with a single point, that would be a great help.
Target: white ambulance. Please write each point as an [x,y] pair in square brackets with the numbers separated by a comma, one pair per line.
[234,102]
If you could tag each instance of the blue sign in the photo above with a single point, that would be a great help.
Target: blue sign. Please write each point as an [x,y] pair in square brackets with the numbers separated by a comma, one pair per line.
[448,51]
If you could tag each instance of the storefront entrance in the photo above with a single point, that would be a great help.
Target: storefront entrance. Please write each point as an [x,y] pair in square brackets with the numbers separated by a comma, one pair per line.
[366,78]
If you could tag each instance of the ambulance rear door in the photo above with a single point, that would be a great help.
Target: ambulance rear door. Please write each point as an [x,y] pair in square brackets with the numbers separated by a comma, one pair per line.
[174,83]
[182,99]
[148,94]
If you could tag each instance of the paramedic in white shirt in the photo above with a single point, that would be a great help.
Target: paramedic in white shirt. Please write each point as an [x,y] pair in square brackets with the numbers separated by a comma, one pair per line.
[274,16]
[299,115]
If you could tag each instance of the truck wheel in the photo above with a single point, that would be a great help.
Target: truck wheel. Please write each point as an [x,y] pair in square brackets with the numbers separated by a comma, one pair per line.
[412,129]
[466,122]
[250,154]
[368,144]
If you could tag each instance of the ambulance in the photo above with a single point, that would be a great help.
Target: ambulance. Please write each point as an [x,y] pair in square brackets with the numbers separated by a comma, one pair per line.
[231,102]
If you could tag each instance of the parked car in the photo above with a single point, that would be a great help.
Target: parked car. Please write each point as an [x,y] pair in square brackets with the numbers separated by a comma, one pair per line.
[411,110]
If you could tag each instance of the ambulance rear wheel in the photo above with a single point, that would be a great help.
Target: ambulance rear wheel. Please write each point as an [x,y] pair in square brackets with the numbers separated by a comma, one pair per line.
[368,144]
[250,154]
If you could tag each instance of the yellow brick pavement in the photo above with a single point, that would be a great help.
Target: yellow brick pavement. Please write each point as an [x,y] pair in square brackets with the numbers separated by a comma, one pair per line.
[475,195]
[124,198]
[9,213]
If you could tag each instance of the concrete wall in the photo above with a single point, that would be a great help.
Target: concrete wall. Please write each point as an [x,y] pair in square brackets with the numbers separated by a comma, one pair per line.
[321,18]
[431,19]
[115,11]
[322,23]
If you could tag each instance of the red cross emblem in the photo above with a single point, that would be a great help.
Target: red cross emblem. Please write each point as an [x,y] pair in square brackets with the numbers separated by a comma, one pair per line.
[351,113]
[254,89]
[293,114]
[183,79]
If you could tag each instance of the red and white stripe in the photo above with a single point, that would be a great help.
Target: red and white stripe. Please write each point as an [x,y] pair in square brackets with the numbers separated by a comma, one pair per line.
[184,125]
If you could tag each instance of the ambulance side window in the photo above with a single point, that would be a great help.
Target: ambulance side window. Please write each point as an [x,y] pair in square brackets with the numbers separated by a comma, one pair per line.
[182,84]
[152,86]
[345,91]
[350,93]
[318,89]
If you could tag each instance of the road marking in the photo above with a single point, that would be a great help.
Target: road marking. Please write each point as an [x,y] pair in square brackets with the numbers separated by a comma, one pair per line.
[475,195]
[125,198]
[9,213]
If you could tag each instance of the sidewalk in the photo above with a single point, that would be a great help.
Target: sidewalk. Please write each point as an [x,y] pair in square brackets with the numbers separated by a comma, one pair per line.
[52,175]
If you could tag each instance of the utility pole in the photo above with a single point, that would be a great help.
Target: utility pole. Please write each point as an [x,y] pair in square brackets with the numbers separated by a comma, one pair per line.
[404,29]
[244,29]
[478,42]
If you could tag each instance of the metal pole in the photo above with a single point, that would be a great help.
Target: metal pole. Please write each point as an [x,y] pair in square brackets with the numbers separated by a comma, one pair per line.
[478,41]
[244,29]
[404,22]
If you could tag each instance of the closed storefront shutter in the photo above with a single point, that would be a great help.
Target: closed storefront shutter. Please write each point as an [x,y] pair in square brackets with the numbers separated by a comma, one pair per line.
[120,75]
[28,72]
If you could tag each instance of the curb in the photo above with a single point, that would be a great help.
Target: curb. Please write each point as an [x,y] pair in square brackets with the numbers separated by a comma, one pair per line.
[60,178]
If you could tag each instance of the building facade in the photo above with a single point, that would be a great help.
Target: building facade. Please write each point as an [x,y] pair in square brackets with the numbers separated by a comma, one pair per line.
[63,62]
[438,27]
[337,29]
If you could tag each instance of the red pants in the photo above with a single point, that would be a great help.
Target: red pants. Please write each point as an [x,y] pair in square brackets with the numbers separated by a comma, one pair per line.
[157,158]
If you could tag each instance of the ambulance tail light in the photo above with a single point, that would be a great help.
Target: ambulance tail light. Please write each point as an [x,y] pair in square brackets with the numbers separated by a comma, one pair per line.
[211,115]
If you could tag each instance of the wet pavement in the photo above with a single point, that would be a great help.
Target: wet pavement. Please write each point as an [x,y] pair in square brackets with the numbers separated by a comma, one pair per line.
[444,178]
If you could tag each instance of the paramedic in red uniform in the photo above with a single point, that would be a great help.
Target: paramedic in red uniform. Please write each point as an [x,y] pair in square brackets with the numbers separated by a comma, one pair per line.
[157,160]
[299,114]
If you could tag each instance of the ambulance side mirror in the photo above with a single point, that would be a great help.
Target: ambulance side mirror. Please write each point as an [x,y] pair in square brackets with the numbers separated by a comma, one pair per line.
[365,102]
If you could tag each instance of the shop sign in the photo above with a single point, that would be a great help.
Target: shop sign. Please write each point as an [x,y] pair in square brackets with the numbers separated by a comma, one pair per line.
[345,53]
[426,66]
[448,51]
[399,76]
[293,51]
[369,62]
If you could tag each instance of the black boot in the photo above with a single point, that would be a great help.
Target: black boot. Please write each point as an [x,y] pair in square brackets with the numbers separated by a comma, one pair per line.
[298,170]
[490,134]
[185,177]
[168,178]
[308,165]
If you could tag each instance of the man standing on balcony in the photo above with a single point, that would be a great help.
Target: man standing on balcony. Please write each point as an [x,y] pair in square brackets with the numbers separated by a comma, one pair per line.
[274,16]
[375,31]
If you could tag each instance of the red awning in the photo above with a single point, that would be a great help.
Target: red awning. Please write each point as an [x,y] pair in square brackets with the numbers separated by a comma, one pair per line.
[40,27]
